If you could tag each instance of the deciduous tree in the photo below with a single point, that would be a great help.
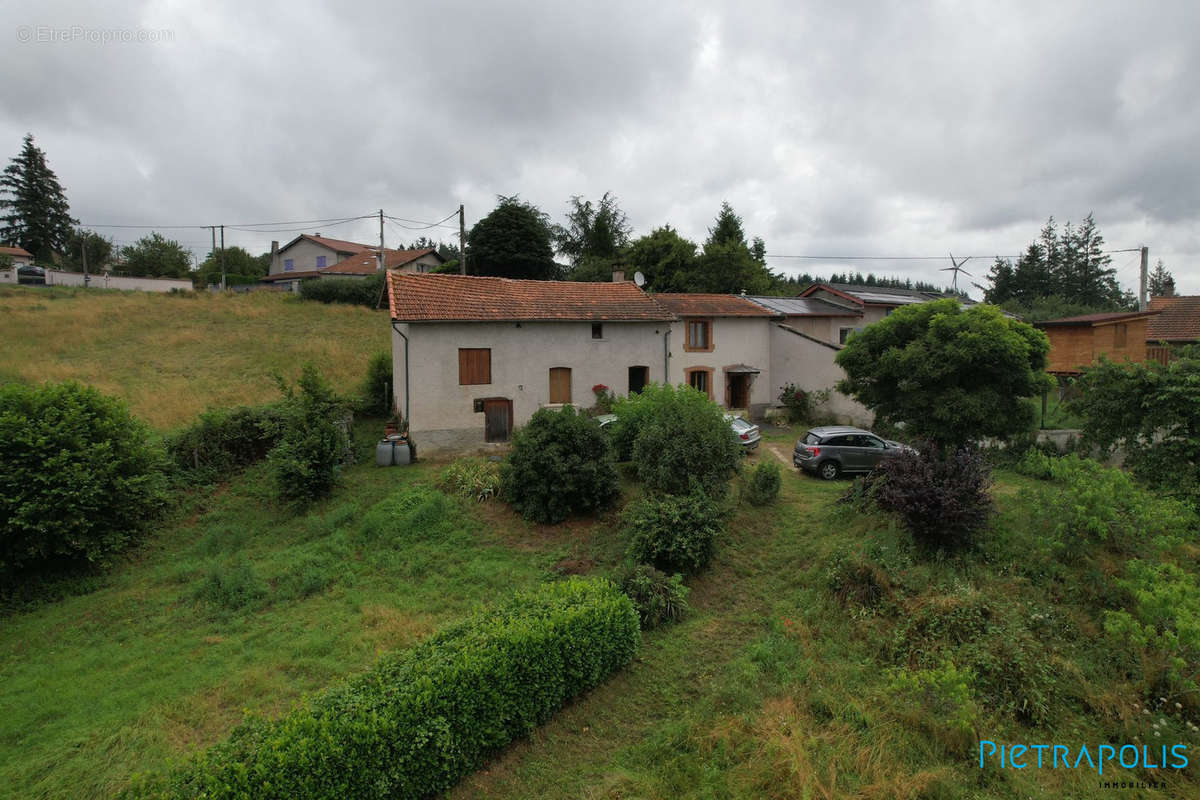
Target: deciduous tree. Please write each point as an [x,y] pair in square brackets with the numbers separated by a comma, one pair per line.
[513,241]
[951,375]
[157,257]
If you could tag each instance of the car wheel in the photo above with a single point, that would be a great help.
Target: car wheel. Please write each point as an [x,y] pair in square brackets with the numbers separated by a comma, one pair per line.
[828,470]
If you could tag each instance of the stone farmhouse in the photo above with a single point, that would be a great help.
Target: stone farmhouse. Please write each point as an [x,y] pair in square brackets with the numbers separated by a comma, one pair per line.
[475,357]
[316,256]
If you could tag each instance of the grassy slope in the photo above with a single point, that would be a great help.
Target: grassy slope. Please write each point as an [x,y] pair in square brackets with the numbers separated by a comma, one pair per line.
[770,688]
[172,356]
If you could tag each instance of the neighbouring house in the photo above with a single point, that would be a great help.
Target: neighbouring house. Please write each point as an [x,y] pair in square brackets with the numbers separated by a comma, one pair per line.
[1176,324]
[473,357]
[316,256]
[815,317]
[1078,342]
[721,345]
[873,303]
[19,257]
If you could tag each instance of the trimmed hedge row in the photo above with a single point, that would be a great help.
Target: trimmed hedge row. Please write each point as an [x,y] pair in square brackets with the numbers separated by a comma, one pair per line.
[424,718]
[354,291]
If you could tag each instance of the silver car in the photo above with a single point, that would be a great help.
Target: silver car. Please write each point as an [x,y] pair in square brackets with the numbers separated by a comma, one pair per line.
[832,450]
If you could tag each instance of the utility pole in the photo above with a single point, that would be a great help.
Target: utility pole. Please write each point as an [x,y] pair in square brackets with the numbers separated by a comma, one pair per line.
[222,258]
[213,230]
[1142,282]
[381,262]
[83,252]
[462,241]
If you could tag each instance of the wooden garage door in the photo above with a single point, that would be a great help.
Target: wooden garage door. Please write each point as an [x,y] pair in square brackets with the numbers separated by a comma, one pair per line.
[560,384]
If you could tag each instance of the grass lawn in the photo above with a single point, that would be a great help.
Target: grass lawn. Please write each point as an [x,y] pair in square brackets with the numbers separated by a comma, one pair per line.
[172,356]
[770,688]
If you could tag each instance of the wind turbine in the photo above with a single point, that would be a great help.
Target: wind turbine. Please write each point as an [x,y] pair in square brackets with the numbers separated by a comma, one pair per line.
[957,268]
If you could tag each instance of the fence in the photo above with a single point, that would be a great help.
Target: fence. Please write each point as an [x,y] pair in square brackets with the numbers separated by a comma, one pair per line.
[1159,353]
[55,277]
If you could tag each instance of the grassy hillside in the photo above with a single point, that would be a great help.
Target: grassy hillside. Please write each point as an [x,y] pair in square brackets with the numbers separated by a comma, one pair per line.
[172,356]
[782,683]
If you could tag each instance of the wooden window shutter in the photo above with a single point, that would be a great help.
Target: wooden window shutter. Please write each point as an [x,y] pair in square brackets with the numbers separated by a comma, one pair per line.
[560,385]
[474,365]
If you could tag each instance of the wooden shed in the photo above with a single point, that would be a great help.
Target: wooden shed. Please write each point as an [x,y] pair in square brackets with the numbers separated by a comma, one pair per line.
[1078,342]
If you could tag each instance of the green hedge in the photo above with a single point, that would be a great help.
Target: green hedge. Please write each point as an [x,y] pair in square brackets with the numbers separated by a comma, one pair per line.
[422,719]
[366,291]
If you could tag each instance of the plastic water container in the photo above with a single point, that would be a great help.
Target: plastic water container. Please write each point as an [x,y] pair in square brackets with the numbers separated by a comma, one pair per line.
[383,453]
[401,454]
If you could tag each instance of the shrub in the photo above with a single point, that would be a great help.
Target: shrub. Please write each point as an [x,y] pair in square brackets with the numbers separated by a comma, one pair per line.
[222,441]
[763,485]
[560,465]
[604,398]
[422,719]
[1163,621]
[800,404]
[946,695]
[366,291]
[472,478]
[675,533]
[79,477]
[685,443]
[306,461]
[657,596]
[1085,504]
[375,394]
[942,497]
[633,412]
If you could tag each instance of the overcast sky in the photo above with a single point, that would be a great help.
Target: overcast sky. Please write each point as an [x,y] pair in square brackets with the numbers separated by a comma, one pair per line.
[849,129]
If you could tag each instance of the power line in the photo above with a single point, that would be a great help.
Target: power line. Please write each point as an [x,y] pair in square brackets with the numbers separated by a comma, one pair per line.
[422,224]
[914,258]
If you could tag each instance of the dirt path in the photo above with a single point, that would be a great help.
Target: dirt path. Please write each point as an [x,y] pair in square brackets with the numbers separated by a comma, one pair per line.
[778,451]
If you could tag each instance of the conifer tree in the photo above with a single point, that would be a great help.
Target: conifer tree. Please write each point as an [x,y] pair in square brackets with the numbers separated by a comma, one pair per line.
[34,213]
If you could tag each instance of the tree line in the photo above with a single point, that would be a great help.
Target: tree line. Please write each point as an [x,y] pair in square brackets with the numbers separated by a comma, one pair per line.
[1061,272]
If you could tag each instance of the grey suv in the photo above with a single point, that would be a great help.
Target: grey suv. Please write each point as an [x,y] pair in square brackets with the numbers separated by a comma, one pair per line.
[832,450]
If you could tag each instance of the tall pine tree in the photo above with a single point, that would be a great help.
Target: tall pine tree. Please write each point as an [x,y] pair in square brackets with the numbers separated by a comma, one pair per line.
[33,208]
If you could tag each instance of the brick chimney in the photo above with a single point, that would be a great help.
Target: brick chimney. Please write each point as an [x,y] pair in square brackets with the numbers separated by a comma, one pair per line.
[618,276]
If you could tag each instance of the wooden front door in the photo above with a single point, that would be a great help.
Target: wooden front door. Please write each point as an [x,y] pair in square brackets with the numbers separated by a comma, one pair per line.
[560,385]
[739,390]
[497,419]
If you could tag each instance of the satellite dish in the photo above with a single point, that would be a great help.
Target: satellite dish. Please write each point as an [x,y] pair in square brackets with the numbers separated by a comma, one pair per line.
[639,279]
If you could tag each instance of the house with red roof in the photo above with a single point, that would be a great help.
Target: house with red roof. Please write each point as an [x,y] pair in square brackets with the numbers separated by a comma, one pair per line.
[15,258]
[475,357]
[316,256]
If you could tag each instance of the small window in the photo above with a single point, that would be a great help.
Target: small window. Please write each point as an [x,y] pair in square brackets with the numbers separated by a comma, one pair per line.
[638,378]
[474,366]
[321,262]
[288,265]
[597,330]
[700,380]
[871,441]
[699,335]
[560,385]
[844,334]
[1120,335]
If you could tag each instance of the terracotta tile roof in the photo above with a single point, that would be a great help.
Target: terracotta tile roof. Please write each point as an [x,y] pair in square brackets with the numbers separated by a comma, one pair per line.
[15,251]
[1178,320]
[365,262]
[712,305]
[1095,319]
[414,297]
